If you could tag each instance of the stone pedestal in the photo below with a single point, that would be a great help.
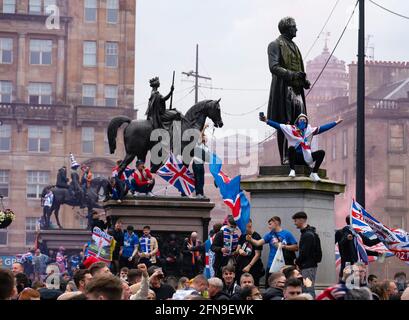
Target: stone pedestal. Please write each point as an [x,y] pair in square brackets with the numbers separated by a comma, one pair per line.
[273,193]
[168,214]
[70,239]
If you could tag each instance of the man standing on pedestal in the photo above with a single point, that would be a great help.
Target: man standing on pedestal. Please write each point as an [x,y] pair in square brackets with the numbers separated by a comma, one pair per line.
[287,99]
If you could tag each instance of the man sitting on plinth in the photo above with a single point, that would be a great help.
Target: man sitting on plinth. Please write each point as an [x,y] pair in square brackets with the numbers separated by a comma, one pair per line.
[299,137]
[143,181]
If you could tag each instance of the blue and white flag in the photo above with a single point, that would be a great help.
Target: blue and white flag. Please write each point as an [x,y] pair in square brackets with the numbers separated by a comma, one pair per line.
[231,193]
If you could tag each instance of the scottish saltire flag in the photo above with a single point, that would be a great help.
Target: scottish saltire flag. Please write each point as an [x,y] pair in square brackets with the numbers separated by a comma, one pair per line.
[231,193]
[395,240]
[178,175]
[209,258]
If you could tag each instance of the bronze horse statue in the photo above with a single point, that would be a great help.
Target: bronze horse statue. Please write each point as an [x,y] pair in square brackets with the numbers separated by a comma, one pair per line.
[137,133]
[75,197]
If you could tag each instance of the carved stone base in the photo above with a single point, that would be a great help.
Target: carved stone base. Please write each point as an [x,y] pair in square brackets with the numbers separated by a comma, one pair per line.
[273,193]
[168,214]
[70,239]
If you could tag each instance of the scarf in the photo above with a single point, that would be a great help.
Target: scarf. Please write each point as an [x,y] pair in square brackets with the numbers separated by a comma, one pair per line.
[145,243]
[195,254]
[231,240]
[297,138]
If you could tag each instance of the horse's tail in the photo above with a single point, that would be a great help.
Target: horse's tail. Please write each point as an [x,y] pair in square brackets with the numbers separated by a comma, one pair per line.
[113,129]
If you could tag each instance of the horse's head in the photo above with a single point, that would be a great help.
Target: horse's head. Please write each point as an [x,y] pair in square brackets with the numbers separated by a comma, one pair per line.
[214,113]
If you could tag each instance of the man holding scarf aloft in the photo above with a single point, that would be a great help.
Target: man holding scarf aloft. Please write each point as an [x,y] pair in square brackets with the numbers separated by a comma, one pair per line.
[299,137]
[225,245]
[148,248]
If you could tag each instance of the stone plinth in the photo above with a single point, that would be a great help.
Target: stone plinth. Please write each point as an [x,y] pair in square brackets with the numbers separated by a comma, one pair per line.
[168,214]
[273,193]
[70,239]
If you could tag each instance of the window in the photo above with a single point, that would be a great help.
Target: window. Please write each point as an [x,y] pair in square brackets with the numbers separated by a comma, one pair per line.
[3,237]
[89,93]
[345,144]
[111,54]
[5,137]
[334,147]
[41,51]
[4,183]
[36,182]
[6,91]
[48,4]
[90,53]
[90,10]
[396,182]
[111,96]
[39,93]
[87,140]
[35,7]
[397,222]
[397,137]
[31,224]
[6,50]
[83,223]
[9,6]
[112,11]
[39,139]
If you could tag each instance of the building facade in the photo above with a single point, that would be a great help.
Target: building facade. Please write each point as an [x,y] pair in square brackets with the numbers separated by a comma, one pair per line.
[386,154]
[66,68]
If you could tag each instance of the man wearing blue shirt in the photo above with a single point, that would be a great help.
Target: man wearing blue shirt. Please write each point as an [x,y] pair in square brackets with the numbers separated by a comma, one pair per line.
[131,240]
[276,236]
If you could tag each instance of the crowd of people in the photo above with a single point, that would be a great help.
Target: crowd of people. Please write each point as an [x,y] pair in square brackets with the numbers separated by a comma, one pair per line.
[139,271]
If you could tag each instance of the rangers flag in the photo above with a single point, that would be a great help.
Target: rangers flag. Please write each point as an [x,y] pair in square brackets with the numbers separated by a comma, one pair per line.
[231,193]
[395,241]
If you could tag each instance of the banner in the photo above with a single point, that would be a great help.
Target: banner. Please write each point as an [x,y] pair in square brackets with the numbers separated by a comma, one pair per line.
[102,245]
[395,240]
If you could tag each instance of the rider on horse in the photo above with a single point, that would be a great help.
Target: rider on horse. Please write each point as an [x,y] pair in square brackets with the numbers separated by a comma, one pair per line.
[157,113]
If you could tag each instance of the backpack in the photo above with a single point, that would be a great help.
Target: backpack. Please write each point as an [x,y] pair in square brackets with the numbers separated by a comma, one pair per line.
[317,251]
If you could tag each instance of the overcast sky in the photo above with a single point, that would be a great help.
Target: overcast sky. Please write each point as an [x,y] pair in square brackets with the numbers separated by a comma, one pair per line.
[233,36]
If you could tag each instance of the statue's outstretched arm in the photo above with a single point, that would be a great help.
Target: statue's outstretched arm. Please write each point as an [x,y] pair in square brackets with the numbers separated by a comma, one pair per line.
[166,98]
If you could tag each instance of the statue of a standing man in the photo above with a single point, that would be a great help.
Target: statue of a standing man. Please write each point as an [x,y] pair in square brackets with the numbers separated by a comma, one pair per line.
[287,99]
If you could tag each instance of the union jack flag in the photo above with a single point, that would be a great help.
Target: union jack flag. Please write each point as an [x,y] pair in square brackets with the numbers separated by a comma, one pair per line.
[178,175]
